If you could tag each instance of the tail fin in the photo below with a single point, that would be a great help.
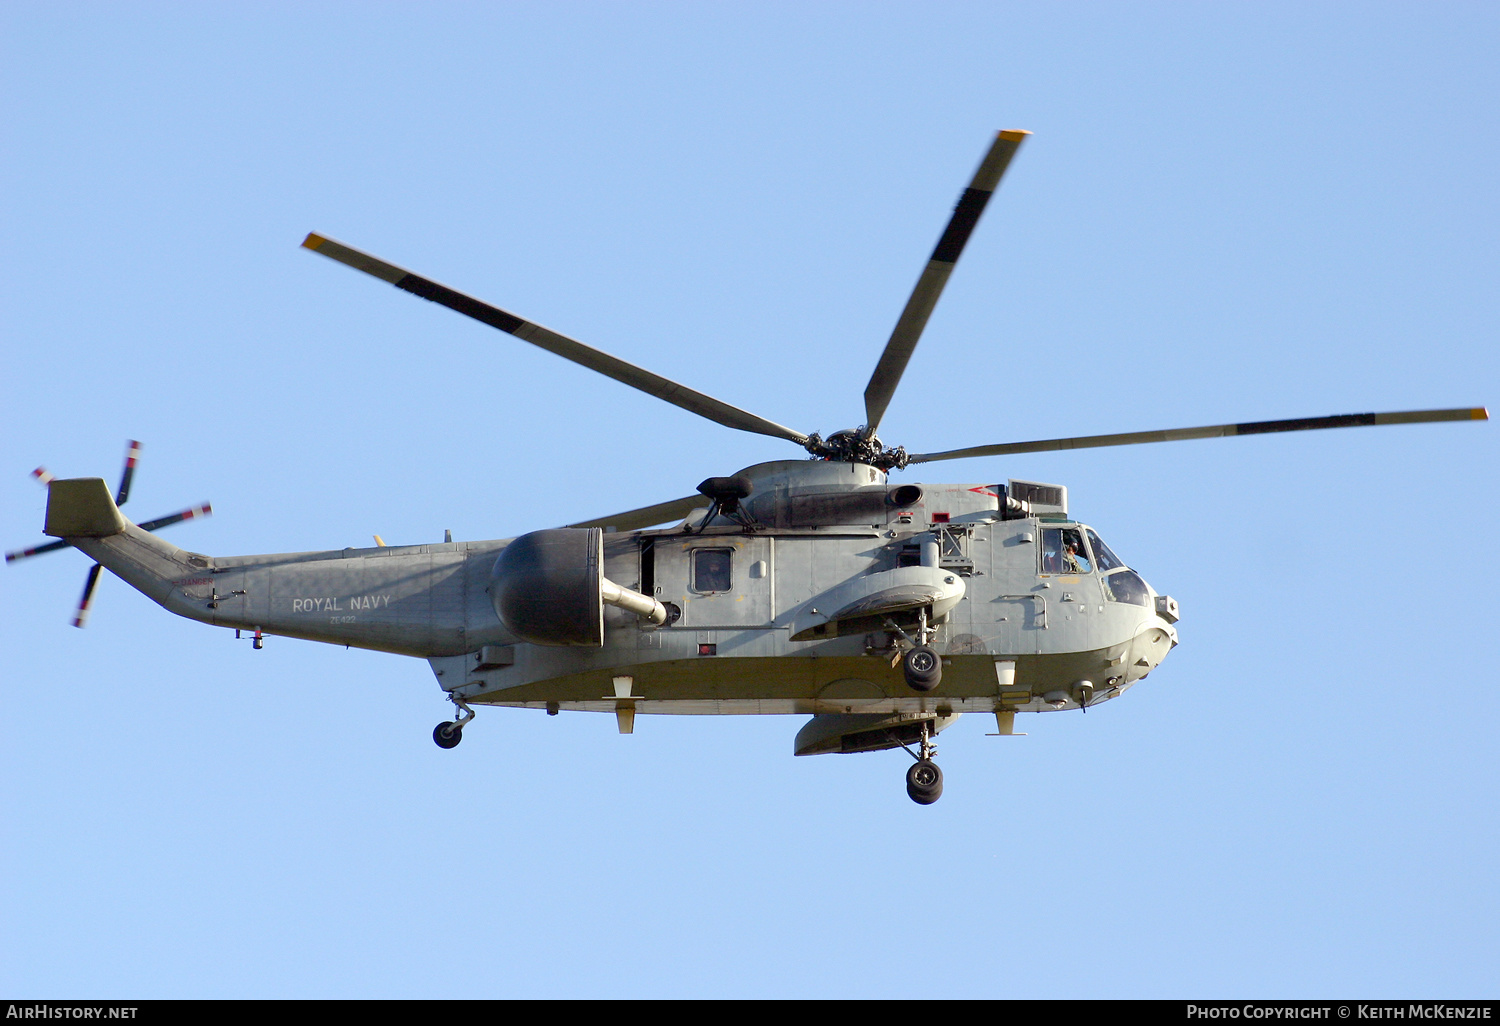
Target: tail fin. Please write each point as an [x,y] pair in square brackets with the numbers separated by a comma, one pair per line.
[82,507]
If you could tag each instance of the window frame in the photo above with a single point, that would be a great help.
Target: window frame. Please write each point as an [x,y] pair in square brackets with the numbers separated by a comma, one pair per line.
[1086,552]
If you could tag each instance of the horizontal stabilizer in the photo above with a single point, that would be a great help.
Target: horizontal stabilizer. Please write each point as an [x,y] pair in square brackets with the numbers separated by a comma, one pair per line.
[82,507]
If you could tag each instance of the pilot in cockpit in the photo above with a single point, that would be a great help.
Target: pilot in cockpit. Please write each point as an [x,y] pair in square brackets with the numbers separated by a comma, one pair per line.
[1063,552]
[1074,561]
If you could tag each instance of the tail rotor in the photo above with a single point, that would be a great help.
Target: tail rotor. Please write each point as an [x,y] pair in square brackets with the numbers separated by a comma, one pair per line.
[132,455]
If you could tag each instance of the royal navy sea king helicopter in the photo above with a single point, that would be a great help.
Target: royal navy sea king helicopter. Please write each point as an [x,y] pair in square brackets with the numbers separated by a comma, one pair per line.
[814,586]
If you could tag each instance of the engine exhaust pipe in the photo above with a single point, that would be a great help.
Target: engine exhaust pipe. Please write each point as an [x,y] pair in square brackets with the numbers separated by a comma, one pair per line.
[644,606]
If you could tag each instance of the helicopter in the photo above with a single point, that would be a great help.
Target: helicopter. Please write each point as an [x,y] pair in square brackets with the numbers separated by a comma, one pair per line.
[815,586]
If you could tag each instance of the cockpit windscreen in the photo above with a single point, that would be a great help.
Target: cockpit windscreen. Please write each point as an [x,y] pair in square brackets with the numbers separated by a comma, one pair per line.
[1107,560]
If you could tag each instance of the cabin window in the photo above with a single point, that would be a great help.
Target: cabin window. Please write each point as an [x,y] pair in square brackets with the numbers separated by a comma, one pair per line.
[1063,551]
[711,569]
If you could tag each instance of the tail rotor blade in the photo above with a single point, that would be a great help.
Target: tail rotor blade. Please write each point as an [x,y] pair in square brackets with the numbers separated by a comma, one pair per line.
[37,550]
[132,454]
[206,509]
[43,477]
[81,617]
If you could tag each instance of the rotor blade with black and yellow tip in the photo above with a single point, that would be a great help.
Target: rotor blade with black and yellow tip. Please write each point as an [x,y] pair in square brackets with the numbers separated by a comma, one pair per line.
[1261,427]
[934,276]
[571,349]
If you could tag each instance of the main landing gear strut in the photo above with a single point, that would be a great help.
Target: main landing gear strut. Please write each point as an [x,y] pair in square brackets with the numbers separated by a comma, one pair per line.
[924,781]
[449,733]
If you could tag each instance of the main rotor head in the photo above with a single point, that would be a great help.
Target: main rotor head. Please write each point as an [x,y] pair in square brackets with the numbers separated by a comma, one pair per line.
[856,446]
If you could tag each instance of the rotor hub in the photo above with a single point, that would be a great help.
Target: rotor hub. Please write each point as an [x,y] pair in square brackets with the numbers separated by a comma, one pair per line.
[856,447]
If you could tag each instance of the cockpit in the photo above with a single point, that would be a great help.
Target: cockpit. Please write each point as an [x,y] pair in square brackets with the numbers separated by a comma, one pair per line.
[1076,550]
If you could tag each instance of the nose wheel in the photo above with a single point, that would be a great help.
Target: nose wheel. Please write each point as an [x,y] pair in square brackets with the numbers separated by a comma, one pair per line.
[924,781]
[450,732]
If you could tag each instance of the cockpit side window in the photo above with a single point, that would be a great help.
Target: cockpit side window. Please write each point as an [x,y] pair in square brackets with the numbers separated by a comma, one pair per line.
[1063,551]
[1105,558]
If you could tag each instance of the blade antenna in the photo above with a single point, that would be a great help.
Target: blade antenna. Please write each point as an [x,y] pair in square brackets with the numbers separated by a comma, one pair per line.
[929,287]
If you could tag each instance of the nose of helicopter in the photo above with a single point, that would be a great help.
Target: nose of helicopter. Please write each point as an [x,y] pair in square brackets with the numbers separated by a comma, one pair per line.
[1156,637]
[1149,648]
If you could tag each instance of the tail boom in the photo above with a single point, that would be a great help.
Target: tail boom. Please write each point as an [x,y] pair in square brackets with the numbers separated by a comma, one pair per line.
[423,600]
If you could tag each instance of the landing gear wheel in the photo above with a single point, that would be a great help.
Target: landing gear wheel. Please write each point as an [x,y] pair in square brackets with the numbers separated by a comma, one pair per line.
[923,668]
[924,782]
[447,734]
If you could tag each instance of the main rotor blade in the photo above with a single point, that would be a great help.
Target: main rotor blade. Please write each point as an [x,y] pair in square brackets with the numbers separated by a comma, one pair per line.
[132,454]
[934,276]
[1262,427]
[544,338]
[82,615]
[649,516]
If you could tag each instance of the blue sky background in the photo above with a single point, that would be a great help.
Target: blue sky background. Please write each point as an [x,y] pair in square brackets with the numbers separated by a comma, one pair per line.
[1227,213]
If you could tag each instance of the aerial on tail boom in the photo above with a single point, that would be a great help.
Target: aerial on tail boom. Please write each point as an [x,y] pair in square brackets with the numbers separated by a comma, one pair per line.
[814,586]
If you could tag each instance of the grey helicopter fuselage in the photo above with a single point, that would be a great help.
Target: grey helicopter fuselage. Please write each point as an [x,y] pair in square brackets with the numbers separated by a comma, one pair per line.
[799,586]
[792,606]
